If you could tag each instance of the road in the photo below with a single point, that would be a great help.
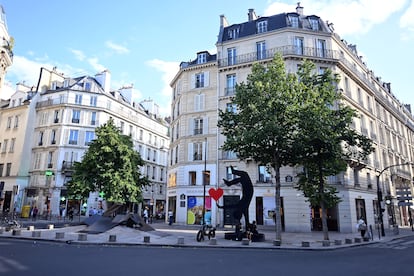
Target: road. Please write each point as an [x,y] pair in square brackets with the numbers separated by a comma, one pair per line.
[23,257]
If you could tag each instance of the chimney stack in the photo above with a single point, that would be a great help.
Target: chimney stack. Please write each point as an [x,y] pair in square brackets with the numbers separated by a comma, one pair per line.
[223,21]
[252,15]
[299,9]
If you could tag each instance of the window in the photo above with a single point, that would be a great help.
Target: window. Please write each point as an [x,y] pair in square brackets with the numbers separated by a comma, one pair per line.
[206,179]
[73,137]
[56,116]
[231,84]
[198,126]
[298,45]
[202,58]
[192,178]
[261,50]
[12,142]
[78,99]
[8,169]
[199,102]
[148,154]
[233,33]
[154,172]
[93,100]
[40,138]
[229,174]
[53,137]
[314,23]
[161,174]
[294,21]
[4,148]
[75,116]
[264,175]
[89,136]
[232,107]
[199,80]
[261,27]
[16,121]
[197,151]
[1,169]
[321,48]
[93,118]
[50,159]
[87,86]
[141,134]
[231,56]
[9,122]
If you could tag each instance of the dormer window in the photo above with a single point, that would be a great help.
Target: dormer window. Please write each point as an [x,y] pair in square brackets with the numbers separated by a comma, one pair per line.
[261,26]
[233,33]
[66,83]
[87,86]
[54,85]
[202,58]
[294,21]
[314,23]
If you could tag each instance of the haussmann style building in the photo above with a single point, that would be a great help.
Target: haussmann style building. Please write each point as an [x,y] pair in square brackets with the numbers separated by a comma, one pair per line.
[206,84]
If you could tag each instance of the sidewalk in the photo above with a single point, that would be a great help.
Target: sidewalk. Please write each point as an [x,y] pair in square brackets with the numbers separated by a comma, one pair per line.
[185,236]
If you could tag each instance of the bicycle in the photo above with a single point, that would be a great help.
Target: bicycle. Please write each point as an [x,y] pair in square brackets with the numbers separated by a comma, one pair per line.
[206,230]
[10,223]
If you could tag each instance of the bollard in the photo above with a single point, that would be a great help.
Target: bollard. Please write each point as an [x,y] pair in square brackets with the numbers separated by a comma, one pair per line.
[16,232]
[50,226]
[180,240]
[305,244]
[245,241]
[213,241]
[30,228]
[348,241]
[357,240]
[112,238]
[82,237]
[338,242]
[60,235]
[36,234]
[146,239]
[326,243]
[277,243]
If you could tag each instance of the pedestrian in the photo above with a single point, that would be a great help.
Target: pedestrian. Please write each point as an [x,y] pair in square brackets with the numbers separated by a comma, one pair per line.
[70,213]
[362,226]
[170,217]
[34,213]
[145,214]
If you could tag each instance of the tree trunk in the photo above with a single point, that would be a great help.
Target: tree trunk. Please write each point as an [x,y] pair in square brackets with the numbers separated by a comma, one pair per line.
[278,217]
[323,206]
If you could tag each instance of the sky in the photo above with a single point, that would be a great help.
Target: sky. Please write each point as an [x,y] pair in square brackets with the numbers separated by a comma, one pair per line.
[143,42]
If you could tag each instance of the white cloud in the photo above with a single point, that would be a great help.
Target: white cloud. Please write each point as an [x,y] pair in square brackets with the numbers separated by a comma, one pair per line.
[116,47]
[79,55]
[407,22]
[94,62]
[168,70]
[348,16]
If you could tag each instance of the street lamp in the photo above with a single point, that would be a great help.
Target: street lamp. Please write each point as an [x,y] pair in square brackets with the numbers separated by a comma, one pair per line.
[204,181]
[379,195]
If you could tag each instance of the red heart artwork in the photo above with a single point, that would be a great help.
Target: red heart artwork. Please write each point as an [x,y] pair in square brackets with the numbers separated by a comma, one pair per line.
[216,194]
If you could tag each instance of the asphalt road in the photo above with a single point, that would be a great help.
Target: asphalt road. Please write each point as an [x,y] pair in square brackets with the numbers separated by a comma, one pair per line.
[22,257]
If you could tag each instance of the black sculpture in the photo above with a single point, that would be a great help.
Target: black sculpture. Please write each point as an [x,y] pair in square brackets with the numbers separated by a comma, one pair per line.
[242,207]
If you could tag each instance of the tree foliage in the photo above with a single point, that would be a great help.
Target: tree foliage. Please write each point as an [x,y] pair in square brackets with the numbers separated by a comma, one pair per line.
[263,127]
[325,141]
[110,165]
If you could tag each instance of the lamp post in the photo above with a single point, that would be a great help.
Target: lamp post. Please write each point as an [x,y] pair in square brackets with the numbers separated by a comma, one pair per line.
[204,181]
[379,195]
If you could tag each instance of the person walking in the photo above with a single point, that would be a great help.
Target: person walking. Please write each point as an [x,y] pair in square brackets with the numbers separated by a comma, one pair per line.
[146,214]
[362,226]
[170,217]
[34,213]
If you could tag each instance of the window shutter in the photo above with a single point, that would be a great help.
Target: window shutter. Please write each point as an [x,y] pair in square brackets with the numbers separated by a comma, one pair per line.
[206,79]
[190,151]
[205,125]
[205,150]
[191,124]
[193,81]
[201,105]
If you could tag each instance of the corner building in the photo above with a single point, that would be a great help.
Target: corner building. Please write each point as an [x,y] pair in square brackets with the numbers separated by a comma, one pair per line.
[383,118]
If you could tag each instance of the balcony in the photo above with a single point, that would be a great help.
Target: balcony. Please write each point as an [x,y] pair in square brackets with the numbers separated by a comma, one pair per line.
[67,168]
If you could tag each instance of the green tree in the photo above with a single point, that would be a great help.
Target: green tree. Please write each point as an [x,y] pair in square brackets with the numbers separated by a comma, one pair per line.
[325,141]
[263,127]
[110,166]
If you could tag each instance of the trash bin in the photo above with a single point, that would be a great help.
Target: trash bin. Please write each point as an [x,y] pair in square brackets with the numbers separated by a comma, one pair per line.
[26,211]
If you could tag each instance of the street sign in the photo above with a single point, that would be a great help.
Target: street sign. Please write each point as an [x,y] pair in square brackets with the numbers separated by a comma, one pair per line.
[49,173]
[402,203]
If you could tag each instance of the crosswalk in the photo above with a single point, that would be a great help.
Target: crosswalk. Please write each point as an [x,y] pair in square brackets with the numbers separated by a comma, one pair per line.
[398,244]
